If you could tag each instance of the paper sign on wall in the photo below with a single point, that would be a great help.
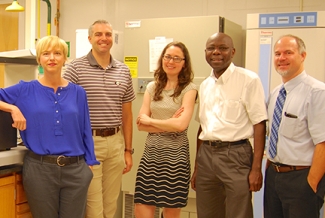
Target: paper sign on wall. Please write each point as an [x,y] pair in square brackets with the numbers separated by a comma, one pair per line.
[156,46]
[132,63]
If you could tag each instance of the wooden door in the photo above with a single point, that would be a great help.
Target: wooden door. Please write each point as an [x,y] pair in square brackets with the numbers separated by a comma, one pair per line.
[8,34]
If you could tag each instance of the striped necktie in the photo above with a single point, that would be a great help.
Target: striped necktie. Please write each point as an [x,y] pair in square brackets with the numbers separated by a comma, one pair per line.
[277,115]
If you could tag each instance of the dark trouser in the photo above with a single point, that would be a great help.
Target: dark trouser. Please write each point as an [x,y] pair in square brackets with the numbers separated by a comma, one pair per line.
[288,195]
[53,191]
[222,188]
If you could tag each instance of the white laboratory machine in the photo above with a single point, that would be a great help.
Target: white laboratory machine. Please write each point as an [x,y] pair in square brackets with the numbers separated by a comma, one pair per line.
[264,29]
[262,32]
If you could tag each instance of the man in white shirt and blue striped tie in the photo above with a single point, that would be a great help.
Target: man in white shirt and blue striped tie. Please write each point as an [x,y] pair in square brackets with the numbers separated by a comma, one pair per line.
[294,179]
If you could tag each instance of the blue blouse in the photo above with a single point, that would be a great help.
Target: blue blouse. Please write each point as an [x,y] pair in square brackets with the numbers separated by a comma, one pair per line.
[56,123]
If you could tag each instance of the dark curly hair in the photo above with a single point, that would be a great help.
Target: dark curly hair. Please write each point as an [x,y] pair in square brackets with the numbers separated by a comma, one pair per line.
[184,78]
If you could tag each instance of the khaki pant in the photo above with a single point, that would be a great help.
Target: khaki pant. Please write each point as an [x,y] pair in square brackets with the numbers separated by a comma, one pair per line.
[105,186]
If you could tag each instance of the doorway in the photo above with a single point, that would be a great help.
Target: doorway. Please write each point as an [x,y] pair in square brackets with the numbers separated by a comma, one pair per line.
[8,34]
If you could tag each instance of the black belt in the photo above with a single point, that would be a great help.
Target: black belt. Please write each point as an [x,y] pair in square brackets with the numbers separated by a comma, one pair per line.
[105,132]
[224,144]
[60,160]
[283,168]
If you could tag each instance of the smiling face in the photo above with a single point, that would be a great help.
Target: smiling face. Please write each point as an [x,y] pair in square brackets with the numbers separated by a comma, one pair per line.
[288,60]
[52,60]
[169,65]
[219,52]
[101,38]
[51,53]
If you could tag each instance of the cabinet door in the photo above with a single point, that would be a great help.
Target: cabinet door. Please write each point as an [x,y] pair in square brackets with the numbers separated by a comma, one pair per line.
[25,215]
[7,197]
[21,196]
[22,208]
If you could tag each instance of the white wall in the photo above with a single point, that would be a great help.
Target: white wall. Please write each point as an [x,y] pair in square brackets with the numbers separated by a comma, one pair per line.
[78,14]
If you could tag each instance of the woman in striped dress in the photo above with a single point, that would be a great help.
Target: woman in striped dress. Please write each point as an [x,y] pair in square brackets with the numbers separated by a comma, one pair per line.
[164,172]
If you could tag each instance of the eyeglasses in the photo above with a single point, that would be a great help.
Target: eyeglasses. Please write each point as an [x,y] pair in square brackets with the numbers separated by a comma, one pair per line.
[219,48]
[175,59]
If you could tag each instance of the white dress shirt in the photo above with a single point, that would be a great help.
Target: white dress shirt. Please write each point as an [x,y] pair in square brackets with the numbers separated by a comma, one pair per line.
[230,105]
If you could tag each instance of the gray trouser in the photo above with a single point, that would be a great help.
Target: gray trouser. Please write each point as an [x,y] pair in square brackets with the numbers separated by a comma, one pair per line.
[222,189]
[288,195]
[53,191]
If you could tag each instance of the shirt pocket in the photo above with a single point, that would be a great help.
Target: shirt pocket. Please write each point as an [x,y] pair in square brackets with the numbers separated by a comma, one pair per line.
[231,110]
[289,127]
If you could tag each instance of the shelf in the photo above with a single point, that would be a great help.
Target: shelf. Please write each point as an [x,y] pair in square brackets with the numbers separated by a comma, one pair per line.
[13,156]
[24,56]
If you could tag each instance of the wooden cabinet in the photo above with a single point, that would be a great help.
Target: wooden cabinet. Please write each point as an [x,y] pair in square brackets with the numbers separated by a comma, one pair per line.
[7,196]
[13,201]
[22,208]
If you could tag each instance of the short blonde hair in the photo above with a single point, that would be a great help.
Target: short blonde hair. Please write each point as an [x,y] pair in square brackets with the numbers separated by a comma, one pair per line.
[48,42]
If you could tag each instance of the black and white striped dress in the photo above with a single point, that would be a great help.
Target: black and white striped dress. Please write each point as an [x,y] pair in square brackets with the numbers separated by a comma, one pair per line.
[164,171]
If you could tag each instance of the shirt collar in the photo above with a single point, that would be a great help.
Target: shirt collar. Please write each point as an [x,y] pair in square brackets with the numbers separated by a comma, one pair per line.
[291,84]
[225,76]
[93,62]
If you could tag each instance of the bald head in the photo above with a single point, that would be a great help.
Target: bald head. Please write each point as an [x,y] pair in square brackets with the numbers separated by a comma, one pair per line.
[221,37]
[289,57]
[300,43]
[219,52]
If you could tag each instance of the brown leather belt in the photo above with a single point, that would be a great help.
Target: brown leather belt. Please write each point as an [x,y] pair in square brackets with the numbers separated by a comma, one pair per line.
[60,160]
[105,132]
[283,168]
[224,144]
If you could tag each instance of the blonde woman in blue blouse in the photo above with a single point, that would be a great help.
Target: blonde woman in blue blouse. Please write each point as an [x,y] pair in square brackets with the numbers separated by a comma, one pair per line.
[53,119]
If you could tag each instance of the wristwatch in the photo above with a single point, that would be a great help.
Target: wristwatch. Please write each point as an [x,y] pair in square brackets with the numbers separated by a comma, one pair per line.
[129,150]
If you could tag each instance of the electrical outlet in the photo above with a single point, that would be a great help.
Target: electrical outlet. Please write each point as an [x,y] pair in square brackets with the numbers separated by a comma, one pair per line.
[142,84]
